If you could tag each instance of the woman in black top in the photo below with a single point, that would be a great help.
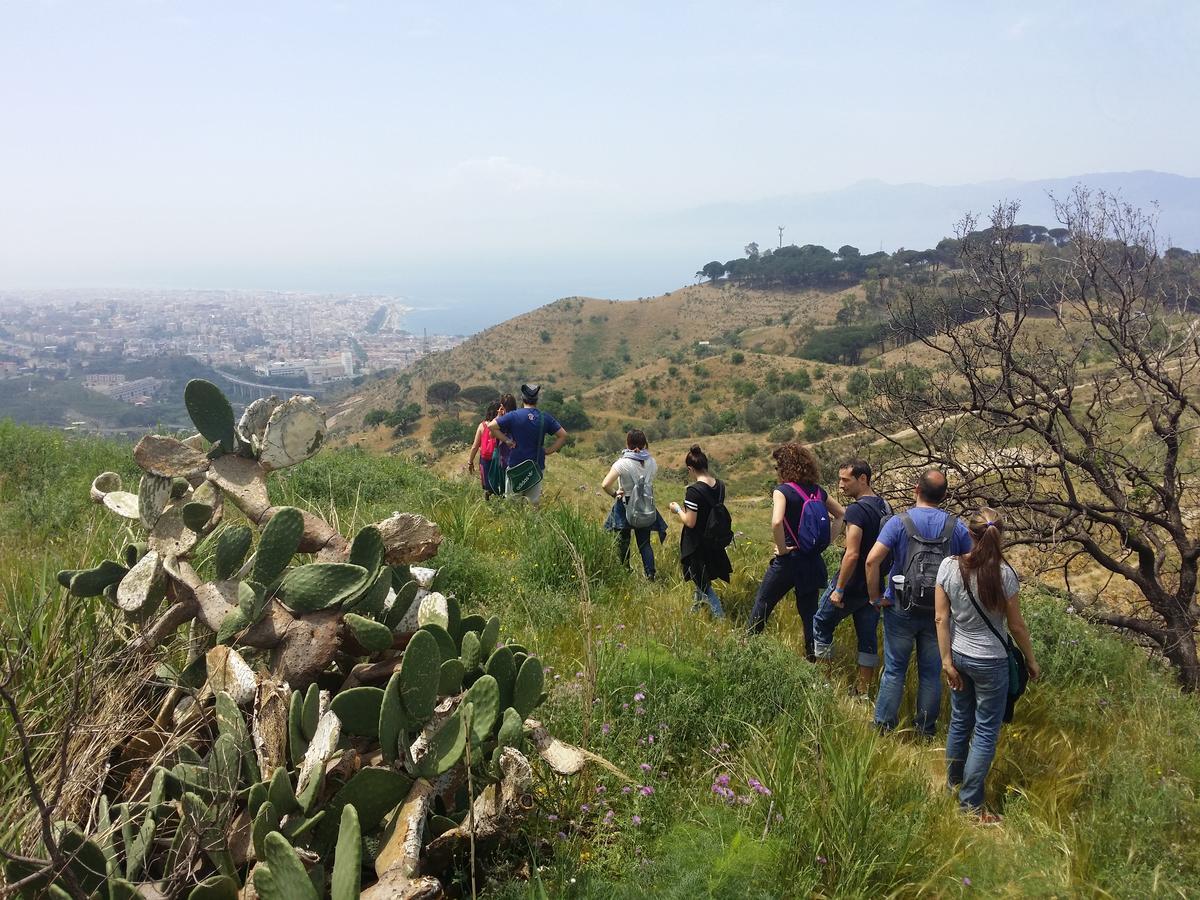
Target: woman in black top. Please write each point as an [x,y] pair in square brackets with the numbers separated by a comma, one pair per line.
[701,564]
[792,568]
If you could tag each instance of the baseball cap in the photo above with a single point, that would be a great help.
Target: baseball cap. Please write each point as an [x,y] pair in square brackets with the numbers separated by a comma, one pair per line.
[530,391]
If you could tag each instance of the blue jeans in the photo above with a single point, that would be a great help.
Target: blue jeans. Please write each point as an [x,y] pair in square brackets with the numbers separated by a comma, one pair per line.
[900,632]
[785,573]
[866,623]
[976,713]
[643,545]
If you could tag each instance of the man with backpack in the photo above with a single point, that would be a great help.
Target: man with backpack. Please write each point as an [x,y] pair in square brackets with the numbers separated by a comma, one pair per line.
[527,460]
[917,540]
[631,482]
[847,594]
[804,519]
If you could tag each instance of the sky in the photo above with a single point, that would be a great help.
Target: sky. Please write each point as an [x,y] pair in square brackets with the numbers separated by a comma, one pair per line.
[481,149]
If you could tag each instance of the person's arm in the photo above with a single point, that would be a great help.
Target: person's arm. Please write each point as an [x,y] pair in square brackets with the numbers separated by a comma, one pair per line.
[837,515]
[494,428]
[686,514]
[1020,633]
[778,511]
[874,560]
[608,481]
[941,612]
[560,438]
[475,448]
[854,535]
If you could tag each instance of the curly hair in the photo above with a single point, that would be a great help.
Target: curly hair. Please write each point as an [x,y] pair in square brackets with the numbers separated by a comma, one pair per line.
[796,463]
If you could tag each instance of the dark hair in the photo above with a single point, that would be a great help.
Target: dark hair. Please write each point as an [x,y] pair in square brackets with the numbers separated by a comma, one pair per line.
[509,402]
[858,468]
[796,463]
[986,558]
[696,459]
[932,486]
[636,439]
[492,409]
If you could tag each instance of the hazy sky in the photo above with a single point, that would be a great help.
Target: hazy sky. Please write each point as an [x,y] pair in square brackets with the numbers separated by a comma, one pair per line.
[288,143]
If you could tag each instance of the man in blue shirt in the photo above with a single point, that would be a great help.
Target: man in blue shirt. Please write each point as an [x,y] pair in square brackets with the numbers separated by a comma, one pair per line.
[904,628]
[528,427]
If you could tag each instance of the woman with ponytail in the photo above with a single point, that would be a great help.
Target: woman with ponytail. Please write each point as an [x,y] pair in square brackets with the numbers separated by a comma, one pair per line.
[703,562]
[971,587]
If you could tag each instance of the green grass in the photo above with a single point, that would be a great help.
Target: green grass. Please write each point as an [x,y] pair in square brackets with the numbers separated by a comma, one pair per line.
[1098,778]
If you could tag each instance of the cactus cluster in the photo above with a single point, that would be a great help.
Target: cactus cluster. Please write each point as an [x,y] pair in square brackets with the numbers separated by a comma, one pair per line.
[325,734]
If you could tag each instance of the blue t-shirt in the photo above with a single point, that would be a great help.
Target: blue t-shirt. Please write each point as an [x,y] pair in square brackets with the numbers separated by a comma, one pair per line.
[524,425]
[929,522]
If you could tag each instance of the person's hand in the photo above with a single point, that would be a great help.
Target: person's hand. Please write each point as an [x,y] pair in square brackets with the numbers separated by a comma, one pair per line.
[674,507]
[620,494]
[837,598]
[952,676]
[1035,671]
[471,467]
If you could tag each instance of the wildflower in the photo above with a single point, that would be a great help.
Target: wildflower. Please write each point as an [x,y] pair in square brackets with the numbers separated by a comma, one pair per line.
[626,790]
[759,788]
[637,820]
[624,706]
[546,670]
[600,789]
[966,881]
[620,627]
[551,817]
[639,697]
[578,674]
[778,817]
[723,780]
[662,726]
[595,701]
[562,835]
[821,860]
[585,808]
[621,646]
[645,767]
[641,711]
[650,738]
[556,677]
[645,790]
[605,728]
[608,817]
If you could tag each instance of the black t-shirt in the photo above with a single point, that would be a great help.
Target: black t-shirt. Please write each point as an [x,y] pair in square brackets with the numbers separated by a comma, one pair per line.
[867,513]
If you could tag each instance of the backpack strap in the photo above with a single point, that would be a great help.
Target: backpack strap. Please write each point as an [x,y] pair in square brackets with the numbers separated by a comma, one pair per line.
[804,498]
[911,527]
[948,531]
[979,609]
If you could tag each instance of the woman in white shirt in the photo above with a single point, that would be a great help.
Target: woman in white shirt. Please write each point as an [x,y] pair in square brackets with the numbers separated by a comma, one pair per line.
[975,653]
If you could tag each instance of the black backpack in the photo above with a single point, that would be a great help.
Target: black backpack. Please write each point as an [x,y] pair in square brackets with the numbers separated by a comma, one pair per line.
[921,564]
[718,530]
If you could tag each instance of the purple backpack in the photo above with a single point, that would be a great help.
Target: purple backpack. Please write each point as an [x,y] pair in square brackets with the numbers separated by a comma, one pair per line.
[812,534]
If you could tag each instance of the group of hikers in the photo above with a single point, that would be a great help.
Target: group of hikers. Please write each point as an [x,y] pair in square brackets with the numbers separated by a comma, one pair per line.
[940,585]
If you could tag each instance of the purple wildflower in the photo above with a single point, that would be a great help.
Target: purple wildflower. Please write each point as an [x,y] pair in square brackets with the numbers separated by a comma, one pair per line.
[821,860]
[605,728]
[551,817]
[578,674]
[966,881]
[759,788]
[585,808]
[626,790]
[562,835]
[641,711]
[637,820]
[645,767]
[600,789]
[723,780]
[624,706]
[645,790]
[639,697]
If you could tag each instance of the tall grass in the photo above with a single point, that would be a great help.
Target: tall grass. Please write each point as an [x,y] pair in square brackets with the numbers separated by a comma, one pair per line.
[1098,778]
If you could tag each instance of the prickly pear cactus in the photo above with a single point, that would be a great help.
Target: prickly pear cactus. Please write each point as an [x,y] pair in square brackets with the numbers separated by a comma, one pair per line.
[314,731]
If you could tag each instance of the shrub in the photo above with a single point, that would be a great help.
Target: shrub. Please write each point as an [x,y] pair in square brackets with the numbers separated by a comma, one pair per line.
[737,357]
[451,431]
[545,336]
[375,417]
[781,434]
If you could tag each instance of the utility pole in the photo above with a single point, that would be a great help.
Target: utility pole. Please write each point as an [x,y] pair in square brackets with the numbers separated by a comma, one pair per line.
[780,227]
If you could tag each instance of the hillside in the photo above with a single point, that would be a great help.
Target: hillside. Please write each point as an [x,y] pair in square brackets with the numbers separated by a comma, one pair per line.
[1098,779]
[602,352]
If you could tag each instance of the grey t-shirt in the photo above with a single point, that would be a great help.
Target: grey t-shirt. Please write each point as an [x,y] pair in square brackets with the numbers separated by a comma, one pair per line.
[628,469]
[972,637]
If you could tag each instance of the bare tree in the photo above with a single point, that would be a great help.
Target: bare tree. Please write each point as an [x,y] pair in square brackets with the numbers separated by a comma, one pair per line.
[1066,394]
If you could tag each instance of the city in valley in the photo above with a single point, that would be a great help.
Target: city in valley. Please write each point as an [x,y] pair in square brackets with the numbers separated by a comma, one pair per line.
[115,360]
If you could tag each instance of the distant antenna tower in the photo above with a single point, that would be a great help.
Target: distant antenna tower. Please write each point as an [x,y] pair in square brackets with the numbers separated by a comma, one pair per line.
[781,227]
[425,339]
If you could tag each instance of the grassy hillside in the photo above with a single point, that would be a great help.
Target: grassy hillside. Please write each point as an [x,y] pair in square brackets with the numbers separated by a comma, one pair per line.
[1098,779]
[603,351]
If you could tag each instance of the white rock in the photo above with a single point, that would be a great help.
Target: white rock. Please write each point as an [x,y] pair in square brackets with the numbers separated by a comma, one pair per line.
[423,575]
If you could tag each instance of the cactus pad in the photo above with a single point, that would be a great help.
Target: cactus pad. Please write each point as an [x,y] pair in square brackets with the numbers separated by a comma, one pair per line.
[450,678]
[210,412]
[154,493]
[446,645]
[484,697]
[282,876]
[278,543]
[253,423]
[419,673]
[217,887]
[347,860]
[470,655]
[372,636]
[501,667]
[142,585]
[434,611]
[358,708]
[446,744]
[367,550]
[92,582]
[230,550]
[123,503]
[489,636]
[196,515]
[321,585]
[294,432]
[527,690]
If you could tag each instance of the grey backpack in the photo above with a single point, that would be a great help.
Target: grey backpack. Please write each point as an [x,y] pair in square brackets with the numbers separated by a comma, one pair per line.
[921,563]
[640,511]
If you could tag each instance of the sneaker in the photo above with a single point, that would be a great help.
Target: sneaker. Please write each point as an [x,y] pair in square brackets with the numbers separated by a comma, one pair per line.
[988,818]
